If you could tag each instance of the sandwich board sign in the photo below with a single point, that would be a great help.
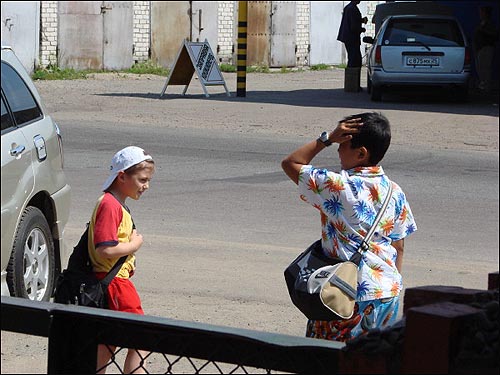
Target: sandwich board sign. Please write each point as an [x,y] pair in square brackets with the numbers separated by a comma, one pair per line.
[195,56]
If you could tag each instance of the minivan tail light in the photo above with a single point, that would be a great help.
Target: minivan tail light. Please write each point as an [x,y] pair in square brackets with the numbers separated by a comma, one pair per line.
[378,55]
[467,57]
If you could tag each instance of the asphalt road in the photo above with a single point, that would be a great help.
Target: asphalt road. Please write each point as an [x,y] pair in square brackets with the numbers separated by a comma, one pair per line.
[221,221]
[219,186]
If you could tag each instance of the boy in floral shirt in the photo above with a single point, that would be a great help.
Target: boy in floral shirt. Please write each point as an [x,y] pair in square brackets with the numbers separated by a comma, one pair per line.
[348,202]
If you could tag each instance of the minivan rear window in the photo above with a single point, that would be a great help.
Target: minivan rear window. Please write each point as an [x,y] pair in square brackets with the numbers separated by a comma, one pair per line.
[430,32]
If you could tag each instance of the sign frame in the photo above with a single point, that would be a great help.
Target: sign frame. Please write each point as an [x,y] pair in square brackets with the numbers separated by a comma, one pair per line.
[195,57]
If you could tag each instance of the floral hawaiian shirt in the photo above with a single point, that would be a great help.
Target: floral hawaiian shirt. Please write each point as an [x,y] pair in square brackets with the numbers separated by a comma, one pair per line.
[348,203]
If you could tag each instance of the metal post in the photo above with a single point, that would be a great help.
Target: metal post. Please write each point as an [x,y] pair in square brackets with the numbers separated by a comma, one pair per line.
[241,59]
[72,345]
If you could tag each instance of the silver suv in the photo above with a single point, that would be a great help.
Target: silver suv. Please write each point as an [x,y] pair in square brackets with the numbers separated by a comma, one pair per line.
[425,51]
[35,194]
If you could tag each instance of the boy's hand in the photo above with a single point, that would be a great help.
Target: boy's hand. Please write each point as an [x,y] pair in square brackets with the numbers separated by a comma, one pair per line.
[344,130]
[136,239]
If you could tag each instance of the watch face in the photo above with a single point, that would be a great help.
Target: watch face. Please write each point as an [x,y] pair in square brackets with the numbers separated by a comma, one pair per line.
[324,138]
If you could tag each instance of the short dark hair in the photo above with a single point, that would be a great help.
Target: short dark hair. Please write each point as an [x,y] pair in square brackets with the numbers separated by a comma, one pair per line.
[375,135]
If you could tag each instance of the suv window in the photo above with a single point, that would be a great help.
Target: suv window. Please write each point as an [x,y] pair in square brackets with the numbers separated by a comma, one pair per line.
[22,104]
[431,32]
[6,120]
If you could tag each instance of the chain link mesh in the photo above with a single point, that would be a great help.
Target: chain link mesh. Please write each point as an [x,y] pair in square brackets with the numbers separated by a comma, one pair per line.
[161,363]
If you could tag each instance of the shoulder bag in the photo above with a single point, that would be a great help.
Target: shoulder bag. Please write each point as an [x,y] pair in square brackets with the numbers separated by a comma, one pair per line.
[325,288]
[78,284]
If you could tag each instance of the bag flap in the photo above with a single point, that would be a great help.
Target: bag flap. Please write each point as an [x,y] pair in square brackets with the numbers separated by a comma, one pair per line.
[339,292]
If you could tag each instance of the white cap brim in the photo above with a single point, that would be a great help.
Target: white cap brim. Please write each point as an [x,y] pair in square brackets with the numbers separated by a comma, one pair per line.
[109,181]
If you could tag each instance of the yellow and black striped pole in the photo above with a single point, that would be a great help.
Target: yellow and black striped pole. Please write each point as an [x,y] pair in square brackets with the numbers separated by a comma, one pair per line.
[241,56]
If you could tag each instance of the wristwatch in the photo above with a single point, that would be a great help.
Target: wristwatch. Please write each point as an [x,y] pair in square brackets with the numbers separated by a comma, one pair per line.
[323,138]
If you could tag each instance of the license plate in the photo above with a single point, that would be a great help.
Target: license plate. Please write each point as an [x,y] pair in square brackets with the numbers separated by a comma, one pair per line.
[422,60]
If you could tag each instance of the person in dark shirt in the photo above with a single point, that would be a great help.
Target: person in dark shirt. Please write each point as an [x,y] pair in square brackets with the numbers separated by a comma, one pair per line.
[350,31]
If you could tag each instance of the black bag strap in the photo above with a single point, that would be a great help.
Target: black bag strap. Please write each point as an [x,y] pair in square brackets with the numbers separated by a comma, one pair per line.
[116,267]
[113,271]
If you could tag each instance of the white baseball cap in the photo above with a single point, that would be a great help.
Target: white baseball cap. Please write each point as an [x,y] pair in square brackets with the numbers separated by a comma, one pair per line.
[123,160]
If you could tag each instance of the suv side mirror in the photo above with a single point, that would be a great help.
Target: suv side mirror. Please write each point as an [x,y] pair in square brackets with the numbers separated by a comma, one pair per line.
[368,39]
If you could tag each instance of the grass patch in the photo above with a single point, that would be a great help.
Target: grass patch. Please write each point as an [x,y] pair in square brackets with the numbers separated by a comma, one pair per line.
[320,67]
[54,72]
[147,67]
[258,69]
[284,69]
[227,68]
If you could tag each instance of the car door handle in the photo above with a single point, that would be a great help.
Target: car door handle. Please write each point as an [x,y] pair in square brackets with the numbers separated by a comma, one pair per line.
[18,150]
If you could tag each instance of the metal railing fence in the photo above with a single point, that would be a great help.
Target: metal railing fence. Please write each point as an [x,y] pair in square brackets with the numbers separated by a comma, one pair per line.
[74,332]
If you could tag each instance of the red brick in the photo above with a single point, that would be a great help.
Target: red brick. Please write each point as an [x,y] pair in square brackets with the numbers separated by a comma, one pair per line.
[426,295]
[431,335]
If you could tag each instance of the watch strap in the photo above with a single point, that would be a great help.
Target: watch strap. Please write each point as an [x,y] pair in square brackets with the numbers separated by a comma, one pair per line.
[323,138]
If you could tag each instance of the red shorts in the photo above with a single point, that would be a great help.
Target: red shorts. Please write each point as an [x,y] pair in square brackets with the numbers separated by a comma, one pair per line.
[122,295]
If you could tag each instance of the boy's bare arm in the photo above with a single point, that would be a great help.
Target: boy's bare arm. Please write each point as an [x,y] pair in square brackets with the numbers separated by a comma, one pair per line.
[399,246]
[123,248]
[303,155]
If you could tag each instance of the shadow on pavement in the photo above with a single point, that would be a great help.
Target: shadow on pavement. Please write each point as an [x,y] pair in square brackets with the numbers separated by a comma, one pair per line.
[429,101]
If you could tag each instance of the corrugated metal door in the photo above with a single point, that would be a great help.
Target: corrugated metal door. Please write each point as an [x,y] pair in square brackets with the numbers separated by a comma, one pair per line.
[80,39]
[95,34]
[325,23]
[271,33]
[21,30]
[283,24]
[118,34]
[205,22]
[170,26]
[258,32]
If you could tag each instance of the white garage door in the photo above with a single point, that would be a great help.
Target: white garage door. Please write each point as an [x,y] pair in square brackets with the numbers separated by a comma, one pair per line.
[21,30]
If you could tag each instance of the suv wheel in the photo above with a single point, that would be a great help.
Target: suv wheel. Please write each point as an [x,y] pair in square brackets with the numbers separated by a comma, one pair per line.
[31,269]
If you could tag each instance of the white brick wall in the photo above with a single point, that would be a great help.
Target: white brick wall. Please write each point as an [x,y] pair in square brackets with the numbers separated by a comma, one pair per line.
[370,8]
[227,25]
[142,10]
[303,15]
[48,33]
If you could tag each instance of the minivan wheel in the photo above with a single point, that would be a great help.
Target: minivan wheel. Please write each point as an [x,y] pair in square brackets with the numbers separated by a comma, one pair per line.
[462,94]
[31,269]
[376,93]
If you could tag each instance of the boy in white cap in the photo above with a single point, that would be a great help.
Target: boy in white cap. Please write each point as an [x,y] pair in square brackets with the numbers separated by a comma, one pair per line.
[112,234]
